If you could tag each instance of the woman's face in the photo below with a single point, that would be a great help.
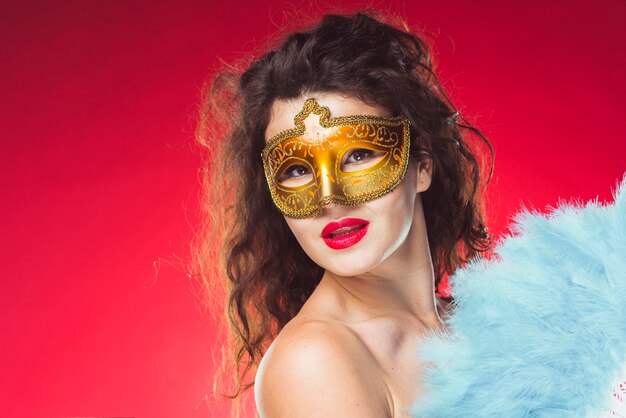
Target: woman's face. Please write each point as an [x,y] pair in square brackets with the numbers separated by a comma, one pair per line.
[352,240]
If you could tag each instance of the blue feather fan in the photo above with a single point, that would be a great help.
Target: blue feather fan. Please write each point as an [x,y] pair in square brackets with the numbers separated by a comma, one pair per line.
[540,329]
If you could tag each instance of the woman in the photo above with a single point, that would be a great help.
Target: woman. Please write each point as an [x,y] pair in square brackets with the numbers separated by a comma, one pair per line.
[350,190]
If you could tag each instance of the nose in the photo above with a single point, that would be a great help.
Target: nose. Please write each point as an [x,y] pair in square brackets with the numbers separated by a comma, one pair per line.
[326,182]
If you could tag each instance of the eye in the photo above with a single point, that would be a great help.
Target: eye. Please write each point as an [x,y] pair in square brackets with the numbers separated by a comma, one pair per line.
[295,175]
[359,155]
[296,171]
[361,158]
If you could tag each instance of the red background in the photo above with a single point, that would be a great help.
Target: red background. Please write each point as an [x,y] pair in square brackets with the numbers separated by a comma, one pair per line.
[98,170]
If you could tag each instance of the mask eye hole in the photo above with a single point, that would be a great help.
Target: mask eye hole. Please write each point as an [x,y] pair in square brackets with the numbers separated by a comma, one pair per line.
[295,175]
[358,159]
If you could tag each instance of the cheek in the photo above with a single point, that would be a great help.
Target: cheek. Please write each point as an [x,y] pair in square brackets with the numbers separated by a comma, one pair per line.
[398,205]
[394,213]
[397,214]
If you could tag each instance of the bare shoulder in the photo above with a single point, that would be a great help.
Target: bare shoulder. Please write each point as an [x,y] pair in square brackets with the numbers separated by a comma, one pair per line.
[319,369]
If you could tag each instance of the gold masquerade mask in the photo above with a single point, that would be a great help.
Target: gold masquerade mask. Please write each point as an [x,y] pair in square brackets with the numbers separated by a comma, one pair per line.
[345,160]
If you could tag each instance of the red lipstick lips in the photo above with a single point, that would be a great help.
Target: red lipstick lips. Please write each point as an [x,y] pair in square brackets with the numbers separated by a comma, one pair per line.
[344,233]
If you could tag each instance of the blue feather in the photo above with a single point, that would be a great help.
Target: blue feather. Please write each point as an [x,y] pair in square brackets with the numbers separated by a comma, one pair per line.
[539,330]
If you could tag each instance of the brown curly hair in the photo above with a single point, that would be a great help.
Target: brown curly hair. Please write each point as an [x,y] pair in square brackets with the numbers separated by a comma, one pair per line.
[268,275]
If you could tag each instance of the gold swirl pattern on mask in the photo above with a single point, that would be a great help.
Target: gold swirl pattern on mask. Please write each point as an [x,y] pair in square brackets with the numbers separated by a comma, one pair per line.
[389,135]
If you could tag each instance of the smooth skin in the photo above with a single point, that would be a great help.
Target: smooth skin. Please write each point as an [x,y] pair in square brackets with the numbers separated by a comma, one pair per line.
[352,349]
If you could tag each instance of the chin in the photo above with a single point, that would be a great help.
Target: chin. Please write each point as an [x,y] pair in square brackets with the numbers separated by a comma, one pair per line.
[348,266]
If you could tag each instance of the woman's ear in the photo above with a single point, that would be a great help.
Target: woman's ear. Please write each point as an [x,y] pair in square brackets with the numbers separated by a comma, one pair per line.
[424,173]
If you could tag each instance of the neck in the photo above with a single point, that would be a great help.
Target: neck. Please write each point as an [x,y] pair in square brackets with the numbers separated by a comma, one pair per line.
[402,285]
